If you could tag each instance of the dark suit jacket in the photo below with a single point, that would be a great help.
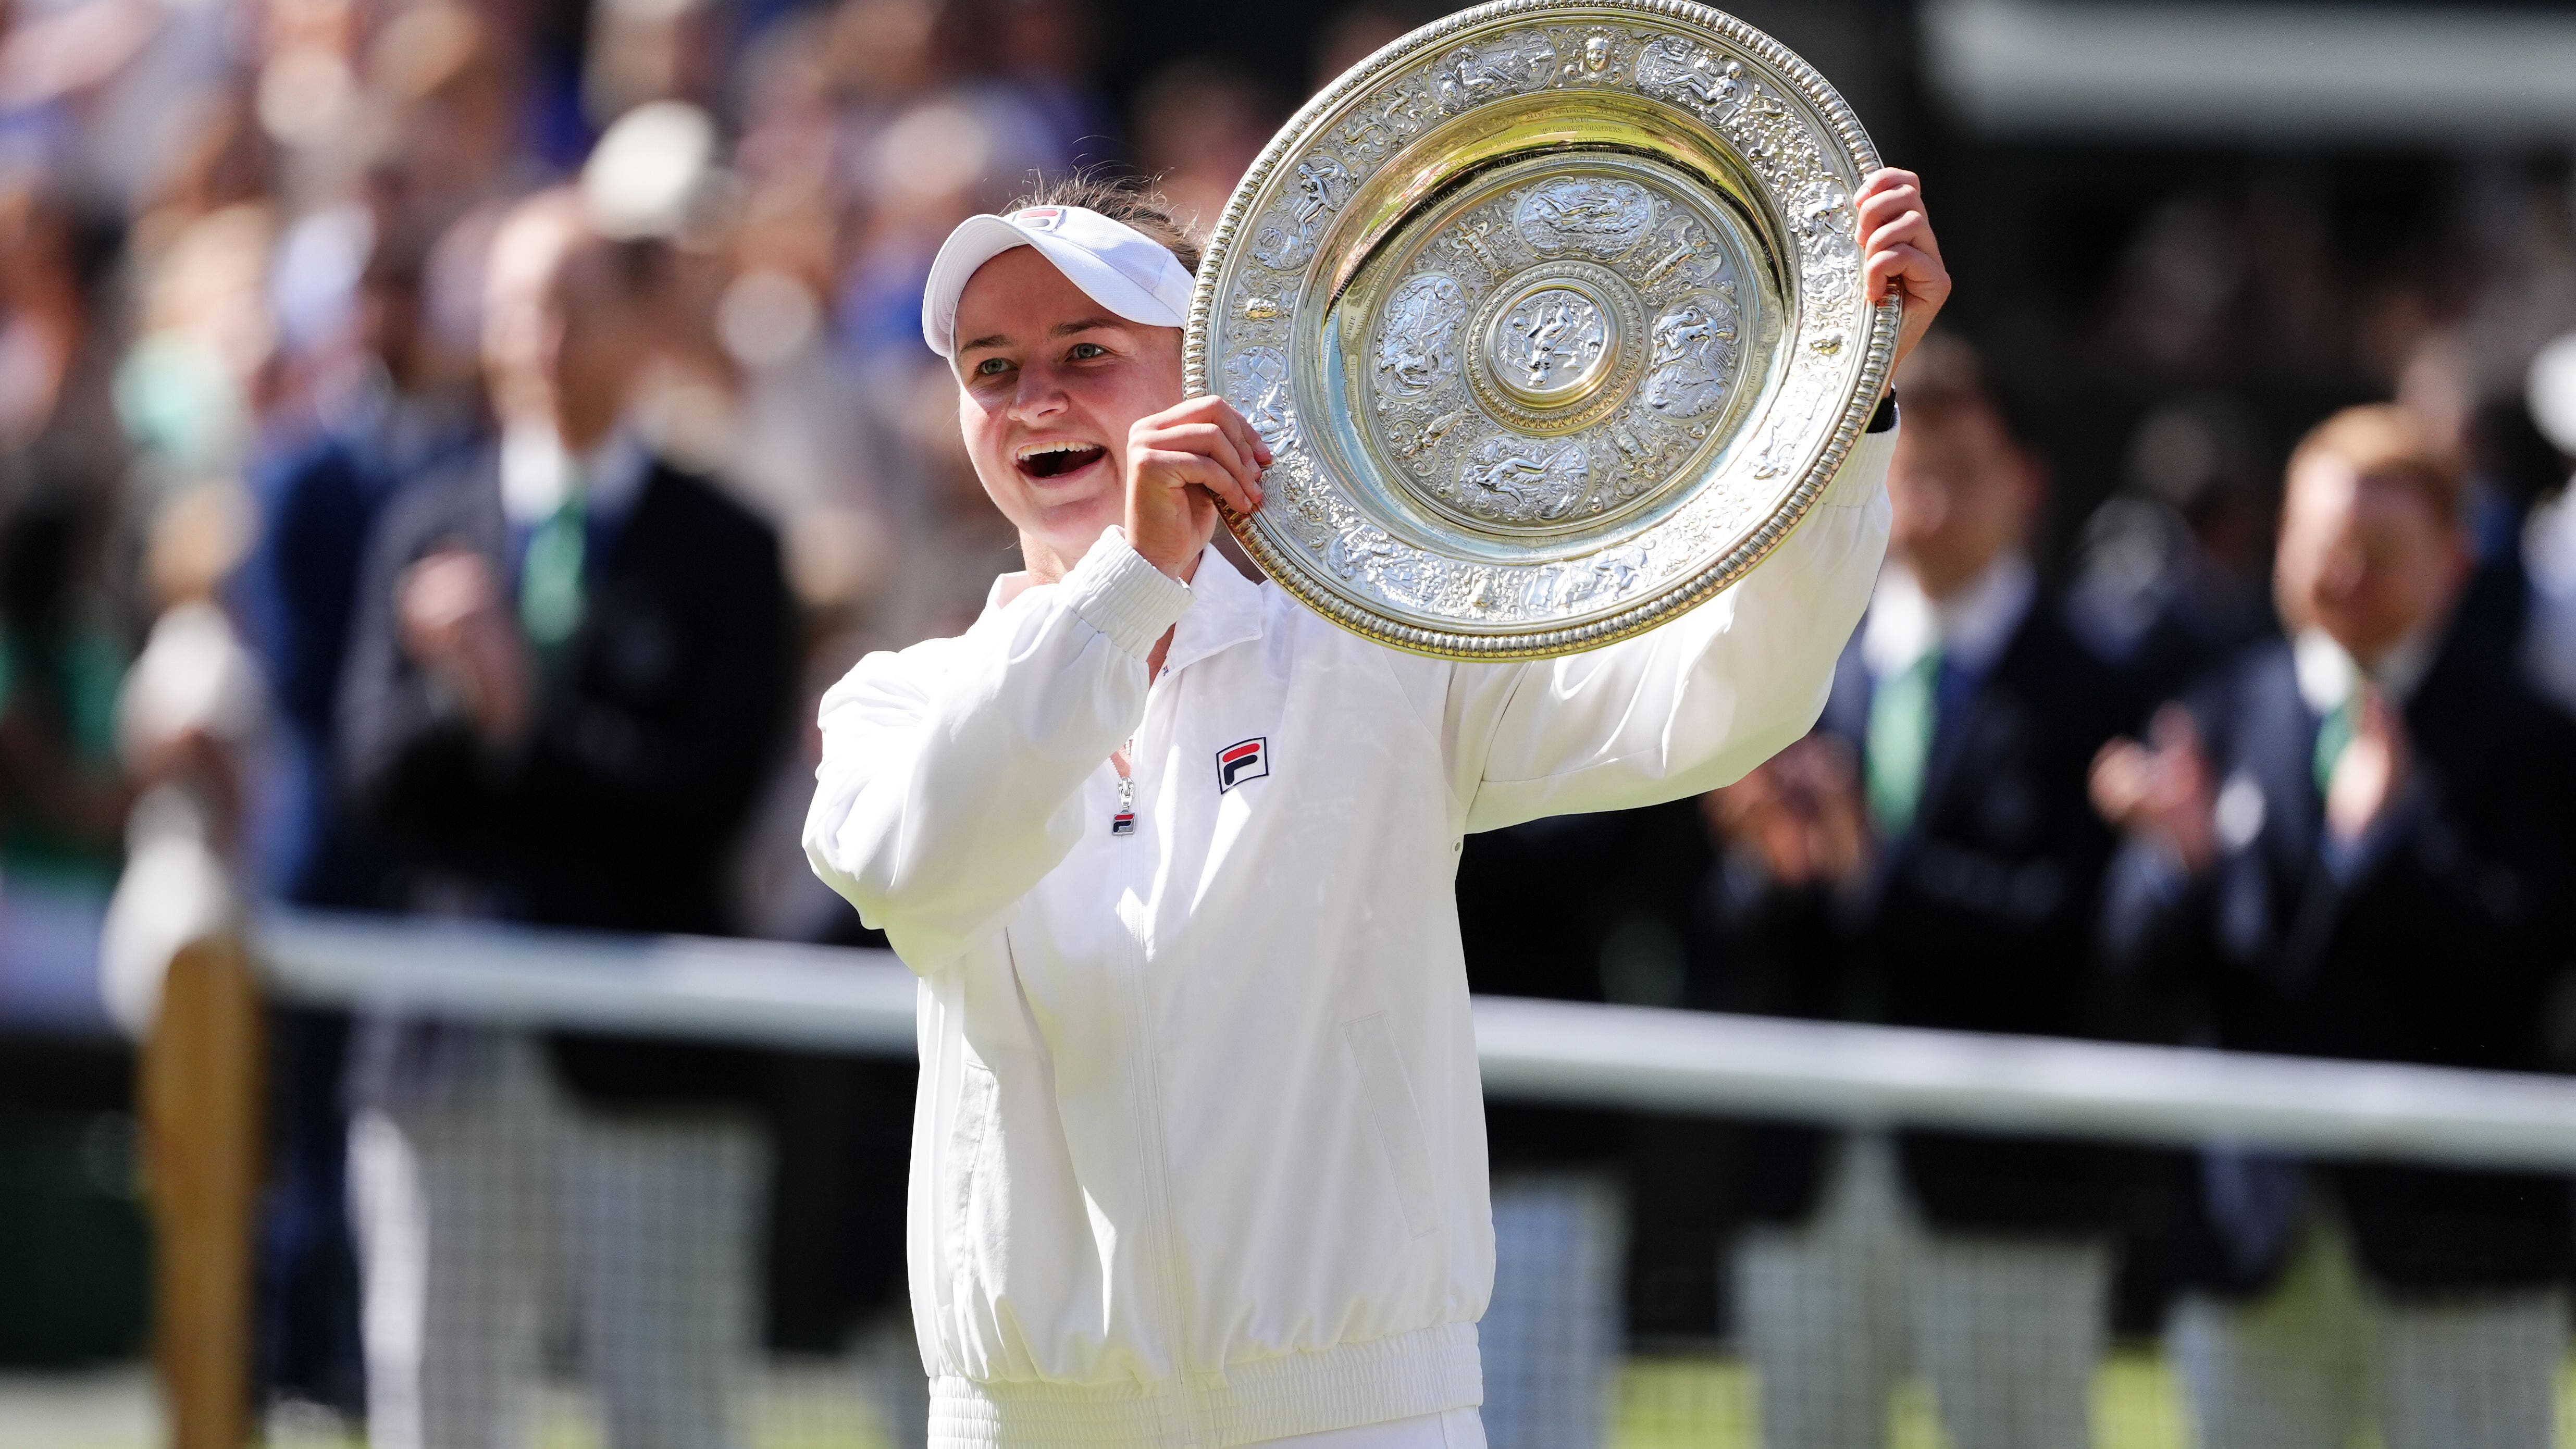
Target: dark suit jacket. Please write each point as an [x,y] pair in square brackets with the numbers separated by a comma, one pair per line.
[1577,908]
[1980,918]
[2440,941]
[650,741]
[319,498]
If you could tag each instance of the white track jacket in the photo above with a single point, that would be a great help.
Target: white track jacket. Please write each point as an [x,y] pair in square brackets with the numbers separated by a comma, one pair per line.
[1199,1153]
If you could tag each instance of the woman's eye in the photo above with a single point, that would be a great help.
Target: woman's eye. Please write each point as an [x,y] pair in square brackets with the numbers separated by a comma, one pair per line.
[1085,351]
[992,367]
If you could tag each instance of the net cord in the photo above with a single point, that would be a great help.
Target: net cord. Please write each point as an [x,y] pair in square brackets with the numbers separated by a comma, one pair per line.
[1635,1058]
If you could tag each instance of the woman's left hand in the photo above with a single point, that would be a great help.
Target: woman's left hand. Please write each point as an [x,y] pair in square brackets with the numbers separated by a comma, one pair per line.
[1899,253]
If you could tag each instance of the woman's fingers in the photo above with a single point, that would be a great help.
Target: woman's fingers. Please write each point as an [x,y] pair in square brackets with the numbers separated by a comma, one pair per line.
[1210,408]
[1898,215]
[1923,276]
[1208,425]
[1900,250]
[1245,437]
[1878,208]
[1183,469]
[1214,457]
[1211,441]
[1906,228]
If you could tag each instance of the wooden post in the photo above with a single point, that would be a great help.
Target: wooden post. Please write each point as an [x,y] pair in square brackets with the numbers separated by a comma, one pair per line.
[199,1099]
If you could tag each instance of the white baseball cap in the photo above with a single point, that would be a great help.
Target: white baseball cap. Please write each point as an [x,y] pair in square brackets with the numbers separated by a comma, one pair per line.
[1114,264]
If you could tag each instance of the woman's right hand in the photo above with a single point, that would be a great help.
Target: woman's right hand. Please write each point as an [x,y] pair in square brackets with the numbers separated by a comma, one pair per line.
[1180,463]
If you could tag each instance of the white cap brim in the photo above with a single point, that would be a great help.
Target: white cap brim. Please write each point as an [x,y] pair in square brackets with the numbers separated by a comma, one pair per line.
[1114,264]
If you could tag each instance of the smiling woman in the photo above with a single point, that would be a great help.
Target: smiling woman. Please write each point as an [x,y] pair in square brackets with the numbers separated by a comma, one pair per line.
[1065,328]
[1172,855]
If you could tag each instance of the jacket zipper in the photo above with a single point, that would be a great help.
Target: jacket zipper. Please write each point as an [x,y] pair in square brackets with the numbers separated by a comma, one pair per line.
[1153,1155]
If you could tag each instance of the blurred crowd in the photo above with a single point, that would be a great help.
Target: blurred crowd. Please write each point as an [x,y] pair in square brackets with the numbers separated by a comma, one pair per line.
[284,605]
[448,449]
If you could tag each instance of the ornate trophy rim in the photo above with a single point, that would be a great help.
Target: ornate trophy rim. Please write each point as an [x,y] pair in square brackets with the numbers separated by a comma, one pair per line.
[1844,140]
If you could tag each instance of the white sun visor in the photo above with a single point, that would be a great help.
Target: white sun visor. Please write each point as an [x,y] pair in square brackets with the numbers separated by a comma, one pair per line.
[1114,264]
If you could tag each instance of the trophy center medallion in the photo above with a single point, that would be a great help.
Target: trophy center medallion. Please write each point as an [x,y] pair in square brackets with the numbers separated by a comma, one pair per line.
[1553,345]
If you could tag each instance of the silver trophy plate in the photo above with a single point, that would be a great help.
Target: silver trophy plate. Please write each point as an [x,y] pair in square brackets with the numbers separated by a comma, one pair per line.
[1551,315]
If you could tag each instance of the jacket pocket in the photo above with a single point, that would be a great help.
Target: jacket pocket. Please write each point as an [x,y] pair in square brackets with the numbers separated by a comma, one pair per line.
[1387,1094]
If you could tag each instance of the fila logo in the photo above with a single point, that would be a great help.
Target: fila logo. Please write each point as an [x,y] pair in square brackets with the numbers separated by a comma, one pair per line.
[1237,763]
[1041,218]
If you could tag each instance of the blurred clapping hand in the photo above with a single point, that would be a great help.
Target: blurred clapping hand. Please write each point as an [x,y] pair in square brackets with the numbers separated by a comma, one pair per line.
[1800,815]
[455,626]
[2160,791]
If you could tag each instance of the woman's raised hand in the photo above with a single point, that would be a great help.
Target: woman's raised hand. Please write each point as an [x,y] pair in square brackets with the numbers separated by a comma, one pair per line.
[1180,463]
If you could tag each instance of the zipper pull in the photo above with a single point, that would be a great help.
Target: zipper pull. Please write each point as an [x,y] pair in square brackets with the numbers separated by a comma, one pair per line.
[1124,822]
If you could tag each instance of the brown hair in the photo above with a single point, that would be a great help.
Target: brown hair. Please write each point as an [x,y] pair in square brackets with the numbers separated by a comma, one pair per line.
[2385,440]
[1124,201]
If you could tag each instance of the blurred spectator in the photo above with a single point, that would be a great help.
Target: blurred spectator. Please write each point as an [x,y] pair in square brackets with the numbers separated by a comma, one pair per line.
[565,685]
[2473,407]
[1042,50]
[393,410]
[1199,124]
[191,387]
[1354,35]
[393,403]
[63,795]
[58,347]
[2320,841]
[100,92]
[653,50]
[2170,572]
[64,609]
[187,721]
[1928,858]
[452,83]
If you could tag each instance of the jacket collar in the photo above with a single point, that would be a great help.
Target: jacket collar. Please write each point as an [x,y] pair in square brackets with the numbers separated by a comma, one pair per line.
[1225,610]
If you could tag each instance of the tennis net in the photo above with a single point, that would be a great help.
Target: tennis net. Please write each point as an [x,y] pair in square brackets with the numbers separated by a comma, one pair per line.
[1745,1255]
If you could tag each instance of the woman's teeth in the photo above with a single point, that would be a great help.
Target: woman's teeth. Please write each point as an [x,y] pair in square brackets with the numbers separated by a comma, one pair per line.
[1057,459]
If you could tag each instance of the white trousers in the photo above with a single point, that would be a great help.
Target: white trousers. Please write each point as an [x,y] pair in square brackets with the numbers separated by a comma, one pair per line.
[1551,1337]
[1832,1314]
[476,1214]
[2324,1353]
[1457,1429]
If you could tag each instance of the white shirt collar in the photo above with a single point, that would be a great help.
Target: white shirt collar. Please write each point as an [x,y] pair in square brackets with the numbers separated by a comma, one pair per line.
[1970,628]
[1227,612]
[536,473]
[2327,675]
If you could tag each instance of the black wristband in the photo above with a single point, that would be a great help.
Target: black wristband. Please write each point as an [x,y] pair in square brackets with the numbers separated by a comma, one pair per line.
[1885,418]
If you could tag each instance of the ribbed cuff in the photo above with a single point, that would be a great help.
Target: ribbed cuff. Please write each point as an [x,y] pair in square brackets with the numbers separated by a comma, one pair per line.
[1118,593]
